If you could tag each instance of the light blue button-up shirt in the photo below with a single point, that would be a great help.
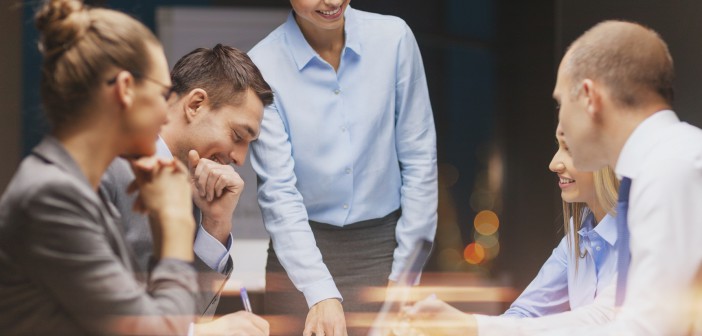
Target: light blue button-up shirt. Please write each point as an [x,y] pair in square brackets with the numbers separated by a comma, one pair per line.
[344,146]
[207,248]
[557,287]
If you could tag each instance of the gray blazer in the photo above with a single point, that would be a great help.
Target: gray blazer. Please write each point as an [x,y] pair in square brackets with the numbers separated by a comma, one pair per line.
[136,227]
[65,267]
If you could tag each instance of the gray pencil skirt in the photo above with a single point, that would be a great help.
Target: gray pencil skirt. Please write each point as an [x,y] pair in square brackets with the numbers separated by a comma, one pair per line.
[358,256]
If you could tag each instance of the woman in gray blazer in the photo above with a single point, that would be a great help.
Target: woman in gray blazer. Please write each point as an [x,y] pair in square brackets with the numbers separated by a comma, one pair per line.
[64,264]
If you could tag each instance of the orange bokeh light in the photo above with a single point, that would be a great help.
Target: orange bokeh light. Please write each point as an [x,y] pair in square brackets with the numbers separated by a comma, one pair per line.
[474,253]
[486,222]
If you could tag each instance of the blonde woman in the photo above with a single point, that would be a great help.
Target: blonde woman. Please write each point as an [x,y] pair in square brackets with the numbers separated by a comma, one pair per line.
[575,283]
[66,268]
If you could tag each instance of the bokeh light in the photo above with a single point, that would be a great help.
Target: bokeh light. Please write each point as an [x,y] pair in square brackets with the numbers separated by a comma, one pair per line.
[486,222]
[474,254]
[490,244]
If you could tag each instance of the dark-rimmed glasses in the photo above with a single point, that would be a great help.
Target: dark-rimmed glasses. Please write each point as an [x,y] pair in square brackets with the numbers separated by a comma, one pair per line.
[169,88]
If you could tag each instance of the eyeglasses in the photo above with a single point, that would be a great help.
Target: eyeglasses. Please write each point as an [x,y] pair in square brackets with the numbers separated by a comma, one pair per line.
[169,88]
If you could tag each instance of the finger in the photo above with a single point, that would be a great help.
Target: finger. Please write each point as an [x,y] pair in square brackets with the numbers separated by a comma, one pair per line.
[213,177]
[202,174]
[193,159]
[145,163]
[309,329]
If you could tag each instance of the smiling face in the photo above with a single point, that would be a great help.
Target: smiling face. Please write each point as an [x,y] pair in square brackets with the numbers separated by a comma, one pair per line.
[222,135]
[575,186]
[314,15]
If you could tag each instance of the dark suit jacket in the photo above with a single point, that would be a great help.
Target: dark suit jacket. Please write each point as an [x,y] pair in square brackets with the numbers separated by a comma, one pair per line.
[65,267]
[136,226]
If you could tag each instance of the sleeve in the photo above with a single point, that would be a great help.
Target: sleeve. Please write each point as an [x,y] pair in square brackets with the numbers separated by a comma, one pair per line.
[211,251]
[599,312]
[284,213]
[415,138]
[94,287]
[548,293]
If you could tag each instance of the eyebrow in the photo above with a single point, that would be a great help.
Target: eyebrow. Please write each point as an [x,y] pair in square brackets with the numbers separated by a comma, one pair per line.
[248,130]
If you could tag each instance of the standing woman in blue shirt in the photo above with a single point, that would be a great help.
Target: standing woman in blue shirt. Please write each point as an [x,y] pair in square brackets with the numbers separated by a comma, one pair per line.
[575,284]
[346,159]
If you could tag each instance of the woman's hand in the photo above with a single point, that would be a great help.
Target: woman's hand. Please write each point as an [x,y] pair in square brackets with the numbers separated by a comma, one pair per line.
[165,196]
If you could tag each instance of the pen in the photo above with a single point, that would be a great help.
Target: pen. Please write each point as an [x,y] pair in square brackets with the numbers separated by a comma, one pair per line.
[245,299]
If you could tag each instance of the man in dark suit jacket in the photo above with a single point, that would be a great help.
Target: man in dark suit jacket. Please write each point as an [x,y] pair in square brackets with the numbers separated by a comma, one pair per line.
[215,110]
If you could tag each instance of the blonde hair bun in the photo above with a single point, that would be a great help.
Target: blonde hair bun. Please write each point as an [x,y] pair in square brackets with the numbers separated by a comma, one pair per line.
[61,23]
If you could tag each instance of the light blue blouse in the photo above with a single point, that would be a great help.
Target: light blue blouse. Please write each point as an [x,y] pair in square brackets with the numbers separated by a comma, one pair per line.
[557,287]
[343,146]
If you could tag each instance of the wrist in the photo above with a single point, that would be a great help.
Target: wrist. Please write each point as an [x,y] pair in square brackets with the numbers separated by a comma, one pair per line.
[219,229]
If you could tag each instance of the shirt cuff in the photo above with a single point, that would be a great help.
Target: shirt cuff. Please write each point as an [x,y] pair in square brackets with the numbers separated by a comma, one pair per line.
[322,290]
[211,251]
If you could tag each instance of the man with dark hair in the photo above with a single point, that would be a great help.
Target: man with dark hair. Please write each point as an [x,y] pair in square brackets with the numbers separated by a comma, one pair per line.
[215,113]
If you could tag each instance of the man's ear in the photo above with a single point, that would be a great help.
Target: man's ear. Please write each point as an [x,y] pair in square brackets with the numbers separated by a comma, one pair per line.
[195,100]
[592,93]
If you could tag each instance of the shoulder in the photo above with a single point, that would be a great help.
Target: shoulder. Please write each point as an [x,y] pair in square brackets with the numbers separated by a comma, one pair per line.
[40,186]
[268,44]
[676,158]
[390,24]
[384,29]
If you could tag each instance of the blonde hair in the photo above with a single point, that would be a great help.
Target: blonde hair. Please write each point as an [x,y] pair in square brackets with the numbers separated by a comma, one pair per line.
[79,45]
[606,194]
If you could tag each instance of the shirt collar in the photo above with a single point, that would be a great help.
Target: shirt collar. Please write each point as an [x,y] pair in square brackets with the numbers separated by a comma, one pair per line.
[162,149]
[303,53]
[607,228]
[641,141]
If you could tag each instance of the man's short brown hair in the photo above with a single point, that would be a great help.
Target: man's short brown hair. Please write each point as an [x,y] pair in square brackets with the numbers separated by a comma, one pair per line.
[225,73]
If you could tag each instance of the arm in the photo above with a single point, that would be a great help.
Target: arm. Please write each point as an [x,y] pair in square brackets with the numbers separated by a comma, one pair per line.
[72,236]
[216,191]
[415,138]
[137,234]
[285,215]
[599,312]
[548,293]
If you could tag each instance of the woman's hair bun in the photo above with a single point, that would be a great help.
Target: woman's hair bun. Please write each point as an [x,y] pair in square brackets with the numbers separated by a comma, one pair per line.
[61,24]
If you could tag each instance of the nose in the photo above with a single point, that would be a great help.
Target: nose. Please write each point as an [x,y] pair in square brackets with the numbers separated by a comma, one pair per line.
[238,155]
[556,164]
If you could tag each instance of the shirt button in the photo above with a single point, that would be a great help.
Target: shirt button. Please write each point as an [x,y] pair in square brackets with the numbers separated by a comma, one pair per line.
[343,128]
[597,248]
[346,206]
[348,170]
[337,91]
